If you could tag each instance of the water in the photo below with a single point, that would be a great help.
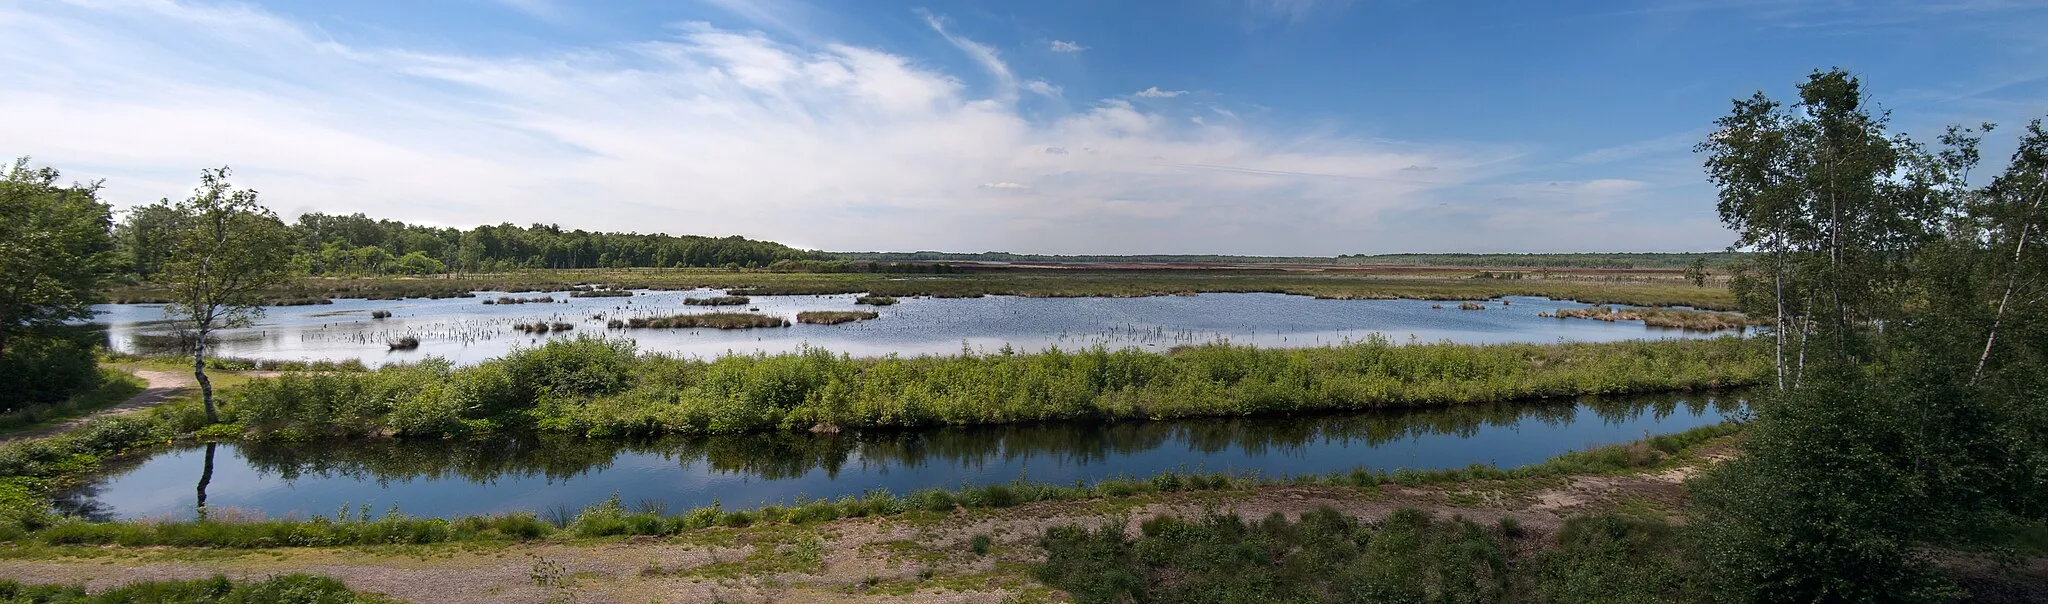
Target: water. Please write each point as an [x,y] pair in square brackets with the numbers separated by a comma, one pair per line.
[465,331]
[440,478]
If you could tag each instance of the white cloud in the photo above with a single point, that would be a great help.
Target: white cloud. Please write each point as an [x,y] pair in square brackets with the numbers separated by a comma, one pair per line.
[1155,93]
[712,131]
[1066,46]
[1043,87]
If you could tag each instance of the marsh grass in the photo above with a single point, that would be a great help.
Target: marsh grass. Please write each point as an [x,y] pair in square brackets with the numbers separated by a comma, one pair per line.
[872,300]
[718,301]
[501,300]
[404,343]
[380,314]
[716,320]
[603,387]
[835,317]
[601,293]
[541,328]
[1471,306]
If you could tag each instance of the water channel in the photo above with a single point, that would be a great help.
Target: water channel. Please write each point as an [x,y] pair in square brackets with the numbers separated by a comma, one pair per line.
[454,478]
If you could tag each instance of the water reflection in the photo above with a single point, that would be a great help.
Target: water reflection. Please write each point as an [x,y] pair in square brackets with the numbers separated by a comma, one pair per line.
[534,472]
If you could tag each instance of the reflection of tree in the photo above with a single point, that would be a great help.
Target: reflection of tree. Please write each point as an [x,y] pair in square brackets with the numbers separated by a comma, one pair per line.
[787,455]
[205,478]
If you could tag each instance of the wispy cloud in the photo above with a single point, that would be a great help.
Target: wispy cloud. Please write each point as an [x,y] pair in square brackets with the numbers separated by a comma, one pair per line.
[1155,93]
[722,131]
[1006,82]
[1066,46]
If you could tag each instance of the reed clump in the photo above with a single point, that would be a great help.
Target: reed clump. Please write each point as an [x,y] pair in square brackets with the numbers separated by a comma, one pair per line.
[601,293]
[540,328]
[518,300]
[716,320]
[1471,306]
[873,300]
[1673,318]
[718,301]
[380,314]
[835,317]
[404,343]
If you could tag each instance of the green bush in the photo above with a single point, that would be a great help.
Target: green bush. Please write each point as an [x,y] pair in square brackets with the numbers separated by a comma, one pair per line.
[45,369]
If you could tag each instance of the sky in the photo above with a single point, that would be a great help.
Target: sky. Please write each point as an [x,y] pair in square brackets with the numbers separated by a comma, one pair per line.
[1266,127]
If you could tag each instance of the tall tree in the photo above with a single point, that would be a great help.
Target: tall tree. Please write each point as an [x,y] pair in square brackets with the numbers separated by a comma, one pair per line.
[226,249]
[54,250]
[1909,416]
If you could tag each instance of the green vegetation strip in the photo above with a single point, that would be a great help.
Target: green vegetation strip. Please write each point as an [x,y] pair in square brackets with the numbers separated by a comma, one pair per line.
[280,589]
[603,387]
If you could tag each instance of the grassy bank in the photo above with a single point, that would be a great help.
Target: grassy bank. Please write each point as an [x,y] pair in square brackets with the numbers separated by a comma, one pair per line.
[1455,284]
[600,387]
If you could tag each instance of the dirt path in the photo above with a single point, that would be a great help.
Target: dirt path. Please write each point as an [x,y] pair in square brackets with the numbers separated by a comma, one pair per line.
[163,386]
[917,557]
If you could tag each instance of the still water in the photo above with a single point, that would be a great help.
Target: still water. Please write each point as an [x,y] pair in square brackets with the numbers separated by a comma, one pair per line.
[441,478]
[465,331]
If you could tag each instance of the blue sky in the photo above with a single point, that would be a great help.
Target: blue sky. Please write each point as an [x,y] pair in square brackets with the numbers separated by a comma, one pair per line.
[1068,126]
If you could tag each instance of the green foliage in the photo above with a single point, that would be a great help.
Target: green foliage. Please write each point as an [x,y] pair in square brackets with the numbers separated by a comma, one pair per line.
[1910,329]
[278,589]
[54,249]
[593,386]
[1324,557]
[44,369]
[1613,559]
[108,387]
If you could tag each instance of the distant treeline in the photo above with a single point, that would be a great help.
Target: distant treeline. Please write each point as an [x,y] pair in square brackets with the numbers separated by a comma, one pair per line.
[359,245]
[1585,260]
[1588,260]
